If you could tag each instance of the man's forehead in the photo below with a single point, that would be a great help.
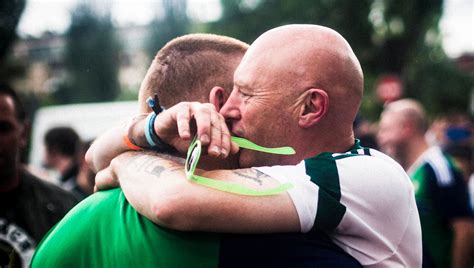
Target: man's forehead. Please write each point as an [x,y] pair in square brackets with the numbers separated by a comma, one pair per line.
[241,77]
[259,66]
[6,103]
[392,117]
[7,110]
[251,79]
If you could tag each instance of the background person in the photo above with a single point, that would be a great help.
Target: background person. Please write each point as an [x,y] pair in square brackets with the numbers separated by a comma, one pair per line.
[441,194]
[63,154]
[29,206]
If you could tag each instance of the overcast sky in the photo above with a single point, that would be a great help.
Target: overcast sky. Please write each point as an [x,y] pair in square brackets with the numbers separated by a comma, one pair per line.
[457,23]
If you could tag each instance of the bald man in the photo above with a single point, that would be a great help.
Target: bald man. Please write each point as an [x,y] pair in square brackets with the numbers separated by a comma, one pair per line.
[298,86]
[441,194]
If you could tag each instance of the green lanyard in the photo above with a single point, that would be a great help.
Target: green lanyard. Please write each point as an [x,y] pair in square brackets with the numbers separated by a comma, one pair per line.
[194,153]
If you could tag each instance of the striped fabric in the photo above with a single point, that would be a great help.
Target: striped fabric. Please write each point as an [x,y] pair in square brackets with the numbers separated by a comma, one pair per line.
[363,199]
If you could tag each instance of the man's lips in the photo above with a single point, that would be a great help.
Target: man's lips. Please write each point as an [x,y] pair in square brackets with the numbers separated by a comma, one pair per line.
[234,131]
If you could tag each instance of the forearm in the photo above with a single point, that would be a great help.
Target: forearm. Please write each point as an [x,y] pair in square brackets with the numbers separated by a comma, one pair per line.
[462,247]
[105,148]
[141,179]
[159,190]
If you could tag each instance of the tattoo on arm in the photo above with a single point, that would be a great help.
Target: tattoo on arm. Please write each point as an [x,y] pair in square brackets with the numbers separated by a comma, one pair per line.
[157,170]
[252,174]
[153,165]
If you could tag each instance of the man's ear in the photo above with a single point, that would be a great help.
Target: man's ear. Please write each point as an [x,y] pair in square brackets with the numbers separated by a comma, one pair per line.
[314,107]
[217,97]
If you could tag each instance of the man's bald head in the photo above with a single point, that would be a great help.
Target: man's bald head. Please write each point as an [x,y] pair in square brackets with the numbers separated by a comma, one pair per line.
[304,79]
[187,68]
[410,112]
[312,56]
[402,130]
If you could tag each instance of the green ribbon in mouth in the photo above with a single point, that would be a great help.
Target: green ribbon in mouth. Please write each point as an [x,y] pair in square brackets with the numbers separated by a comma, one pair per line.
[194,153]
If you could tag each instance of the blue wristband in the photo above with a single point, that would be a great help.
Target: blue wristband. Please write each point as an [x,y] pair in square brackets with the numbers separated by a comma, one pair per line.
[149,129]
[151,137]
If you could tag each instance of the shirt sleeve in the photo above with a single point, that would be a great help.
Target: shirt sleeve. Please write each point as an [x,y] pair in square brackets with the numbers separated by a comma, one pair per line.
[304,193]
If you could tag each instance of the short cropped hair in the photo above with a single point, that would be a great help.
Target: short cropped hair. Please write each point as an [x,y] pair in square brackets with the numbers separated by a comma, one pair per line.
[187,67]
[6,89]
[63,140]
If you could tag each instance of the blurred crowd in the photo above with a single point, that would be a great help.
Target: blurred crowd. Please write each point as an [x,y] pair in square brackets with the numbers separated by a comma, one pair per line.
[438,158]
[451,132]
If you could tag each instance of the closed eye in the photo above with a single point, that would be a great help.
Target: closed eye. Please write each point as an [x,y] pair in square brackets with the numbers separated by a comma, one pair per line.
[244,94]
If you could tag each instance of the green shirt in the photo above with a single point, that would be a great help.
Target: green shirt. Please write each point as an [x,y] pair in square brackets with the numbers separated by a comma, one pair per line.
[441,196]
[117,236]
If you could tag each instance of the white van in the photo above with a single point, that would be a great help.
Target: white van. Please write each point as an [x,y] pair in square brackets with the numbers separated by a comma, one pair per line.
[89,120]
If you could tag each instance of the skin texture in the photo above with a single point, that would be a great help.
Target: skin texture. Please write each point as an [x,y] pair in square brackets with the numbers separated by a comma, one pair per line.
[292,85]
[12,139]
[402,135]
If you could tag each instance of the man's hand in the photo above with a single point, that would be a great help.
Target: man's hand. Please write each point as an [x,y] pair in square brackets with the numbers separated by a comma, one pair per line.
[106,179]
[175,125]
[105,148]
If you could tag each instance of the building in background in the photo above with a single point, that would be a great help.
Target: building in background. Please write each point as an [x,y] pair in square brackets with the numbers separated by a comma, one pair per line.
[45,69]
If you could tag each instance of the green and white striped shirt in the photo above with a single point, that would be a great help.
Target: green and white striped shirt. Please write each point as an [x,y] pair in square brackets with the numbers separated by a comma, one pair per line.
[363,199]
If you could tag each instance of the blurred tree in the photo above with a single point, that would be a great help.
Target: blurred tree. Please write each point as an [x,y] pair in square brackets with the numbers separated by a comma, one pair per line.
[91,59]
[247,19]
[10,13]
[388,36]
[172,24]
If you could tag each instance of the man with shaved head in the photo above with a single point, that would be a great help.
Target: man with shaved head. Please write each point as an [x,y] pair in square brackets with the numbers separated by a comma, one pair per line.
[298,86]
[441,194]
[302,79]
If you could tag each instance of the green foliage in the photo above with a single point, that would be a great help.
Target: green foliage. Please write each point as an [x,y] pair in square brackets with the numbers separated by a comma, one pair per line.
[440,86]
[246,20]
[127,94]
[174,23]
[10,13]
[388,36]
[91,59]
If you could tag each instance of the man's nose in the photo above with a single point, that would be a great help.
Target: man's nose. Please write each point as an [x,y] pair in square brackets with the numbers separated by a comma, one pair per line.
[231,109]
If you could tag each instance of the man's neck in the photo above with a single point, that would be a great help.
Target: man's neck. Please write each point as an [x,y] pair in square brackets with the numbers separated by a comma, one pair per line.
[63,165]
[341,144]
[415,148]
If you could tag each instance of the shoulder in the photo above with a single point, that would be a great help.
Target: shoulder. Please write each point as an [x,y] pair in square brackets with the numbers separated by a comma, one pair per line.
[48,192]
[439,168]
[285,172]
[379,203]
[359,169]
